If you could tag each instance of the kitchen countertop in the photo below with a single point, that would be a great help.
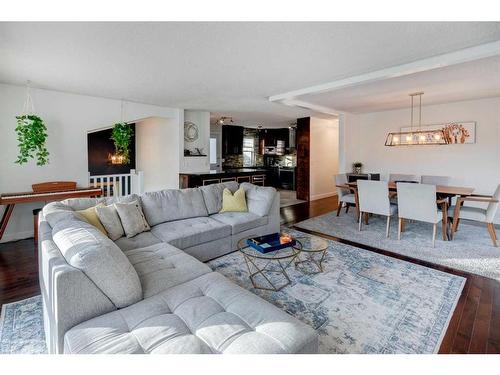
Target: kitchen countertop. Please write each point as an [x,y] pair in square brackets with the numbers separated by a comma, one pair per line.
[231,171]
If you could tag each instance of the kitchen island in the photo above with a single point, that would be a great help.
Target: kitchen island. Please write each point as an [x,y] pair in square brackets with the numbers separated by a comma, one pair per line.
[257,176]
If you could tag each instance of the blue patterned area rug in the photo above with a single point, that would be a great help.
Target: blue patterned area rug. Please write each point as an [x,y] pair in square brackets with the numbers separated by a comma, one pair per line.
[363,302]
[471,249]
[21,327]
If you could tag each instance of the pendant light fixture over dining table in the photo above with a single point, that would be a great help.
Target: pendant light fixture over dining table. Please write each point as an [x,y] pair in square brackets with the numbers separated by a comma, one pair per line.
[418,136]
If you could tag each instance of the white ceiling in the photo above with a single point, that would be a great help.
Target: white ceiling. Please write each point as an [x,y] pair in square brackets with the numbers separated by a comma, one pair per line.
[225,68]
[467,81]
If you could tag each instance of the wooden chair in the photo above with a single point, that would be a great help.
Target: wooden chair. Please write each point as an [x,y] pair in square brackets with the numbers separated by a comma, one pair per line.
[418,202]
[345,196]
[484,215]
[373,198]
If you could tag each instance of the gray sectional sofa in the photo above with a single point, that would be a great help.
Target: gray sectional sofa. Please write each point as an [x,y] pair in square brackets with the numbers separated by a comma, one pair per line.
[151,293]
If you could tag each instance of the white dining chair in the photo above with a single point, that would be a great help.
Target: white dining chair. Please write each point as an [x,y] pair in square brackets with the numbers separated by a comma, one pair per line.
[345,196]
[395,177]
[373,198]
[483,215]
[418,202]
[435,180]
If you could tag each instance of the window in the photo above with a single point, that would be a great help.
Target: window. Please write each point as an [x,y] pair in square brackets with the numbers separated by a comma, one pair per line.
[213,150]
[248,152]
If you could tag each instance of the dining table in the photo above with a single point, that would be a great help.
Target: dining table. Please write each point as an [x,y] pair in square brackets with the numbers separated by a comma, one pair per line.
[444,194]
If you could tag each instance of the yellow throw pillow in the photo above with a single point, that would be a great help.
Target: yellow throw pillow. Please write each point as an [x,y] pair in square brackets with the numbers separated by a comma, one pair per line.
[234,203]
[90,216]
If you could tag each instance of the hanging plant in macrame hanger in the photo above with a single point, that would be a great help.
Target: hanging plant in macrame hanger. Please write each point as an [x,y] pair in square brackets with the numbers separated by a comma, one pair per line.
[122,136]
[31,134]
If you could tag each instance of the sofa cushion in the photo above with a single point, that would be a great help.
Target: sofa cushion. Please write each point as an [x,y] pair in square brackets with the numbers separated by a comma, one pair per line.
[163,266]
[234,202]
[141,240]
[90,251]
[259,198]
[84,203]
[212,195]
[169,205]
[55,212]
[132,218]
[191,232]
[109,218]
[241,221]
[90,216]
[206,315]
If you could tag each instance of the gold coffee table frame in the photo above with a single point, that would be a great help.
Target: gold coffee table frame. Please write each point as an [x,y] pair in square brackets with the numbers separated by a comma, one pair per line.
[313,247]
[283,257]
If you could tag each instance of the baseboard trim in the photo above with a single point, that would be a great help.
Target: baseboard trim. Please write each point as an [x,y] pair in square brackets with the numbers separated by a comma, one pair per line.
[9,237]
[324,195]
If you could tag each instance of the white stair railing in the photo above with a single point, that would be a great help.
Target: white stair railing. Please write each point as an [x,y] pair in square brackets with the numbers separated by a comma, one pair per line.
[117,185]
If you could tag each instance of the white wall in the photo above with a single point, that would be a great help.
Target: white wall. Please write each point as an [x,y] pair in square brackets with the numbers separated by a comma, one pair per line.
[157,152]
[324,157]
[475,165]
[349,145]
[68,118]
[197,164]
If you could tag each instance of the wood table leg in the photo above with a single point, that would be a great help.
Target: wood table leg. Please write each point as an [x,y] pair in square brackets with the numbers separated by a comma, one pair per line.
[5,218]
[456,214]
[403,225]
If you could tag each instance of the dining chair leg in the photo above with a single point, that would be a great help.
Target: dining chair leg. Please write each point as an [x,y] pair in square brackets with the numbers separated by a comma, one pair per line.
[493,234]
[434,228]
[444,223]
[403,225]
[360,220]
[400,224]
[366,218]
[339,208]
[456,215]
[346,207]
[456,226]
[387,226]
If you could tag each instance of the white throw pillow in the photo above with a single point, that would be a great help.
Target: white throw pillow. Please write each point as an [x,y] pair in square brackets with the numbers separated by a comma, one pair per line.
[111,221]
[132,218]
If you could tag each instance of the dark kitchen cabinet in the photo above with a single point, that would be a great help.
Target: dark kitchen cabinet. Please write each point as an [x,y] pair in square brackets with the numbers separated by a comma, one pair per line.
[232,140]
[272,136]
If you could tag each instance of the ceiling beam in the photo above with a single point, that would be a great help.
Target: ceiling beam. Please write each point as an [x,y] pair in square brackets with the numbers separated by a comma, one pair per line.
[312,107]
[458,57]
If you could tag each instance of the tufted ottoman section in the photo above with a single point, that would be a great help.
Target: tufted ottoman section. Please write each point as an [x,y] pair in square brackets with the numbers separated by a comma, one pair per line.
[162,266]
[208,314]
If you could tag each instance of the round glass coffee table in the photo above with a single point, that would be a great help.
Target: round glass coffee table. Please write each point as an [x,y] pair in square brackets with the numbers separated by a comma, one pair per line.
[312,250]
[267,265]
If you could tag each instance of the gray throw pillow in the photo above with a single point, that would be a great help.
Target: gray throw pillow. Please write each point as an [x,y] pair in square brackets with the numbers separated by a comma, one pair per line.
[132,218]
[111,221]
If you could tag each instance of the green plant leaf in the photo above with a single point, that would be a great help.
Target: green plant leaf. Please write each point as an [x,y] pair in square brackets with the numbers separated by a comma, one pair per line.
[31,135]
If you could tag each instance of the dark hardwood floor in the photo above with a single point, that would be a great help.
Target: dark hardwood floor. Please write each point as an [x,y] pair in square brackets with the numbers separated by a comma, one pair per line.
[474,327]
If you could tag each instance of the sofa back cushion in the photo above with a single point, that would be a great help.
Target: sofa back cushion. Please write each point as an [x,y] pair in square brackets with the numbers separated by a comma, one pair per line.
[87,249]
[169,205]
[259,198]
[212,194]
[55,212]
[78,204]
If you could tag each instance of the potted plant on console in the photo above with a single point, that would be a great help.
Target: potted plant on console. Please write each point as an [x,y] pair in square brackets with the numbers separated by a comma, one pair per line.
[356,167]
